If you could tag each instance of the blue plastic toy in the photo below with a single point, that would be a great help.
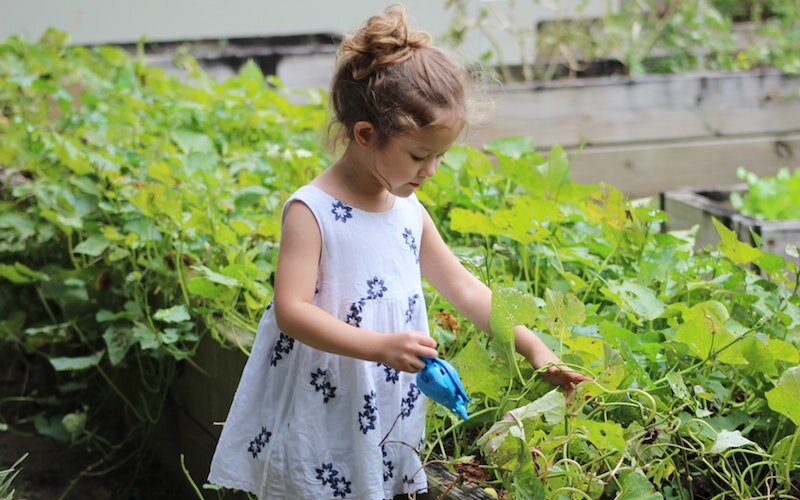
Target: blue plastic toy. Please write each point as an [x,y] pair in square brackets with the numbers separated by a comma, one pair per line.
[440,382]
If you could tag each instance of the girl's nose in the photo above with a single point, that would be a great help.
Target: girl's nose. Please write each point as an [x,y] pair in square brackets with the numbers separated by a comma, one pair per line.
[429,169]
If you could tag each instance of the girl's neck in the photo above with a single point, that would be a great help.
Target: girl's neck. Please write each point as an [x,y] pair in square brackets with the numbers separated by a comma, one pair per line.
[350,179]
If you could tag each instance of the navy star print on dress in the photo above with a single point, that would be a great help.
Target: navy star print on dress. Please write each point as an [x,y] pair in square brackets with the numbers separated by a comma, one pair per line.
[366,418]
[376,288]
[388,468]
[408,236]
[328,475]
[408,402]
[319,380]
[354,316]
[284,345]
[392,375]
[341,211]
[412,301]
[259,442]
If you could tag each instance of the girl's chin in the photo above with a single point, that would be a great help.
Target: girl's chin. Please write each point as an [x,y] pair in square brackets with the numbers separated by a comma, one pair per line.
[403,191]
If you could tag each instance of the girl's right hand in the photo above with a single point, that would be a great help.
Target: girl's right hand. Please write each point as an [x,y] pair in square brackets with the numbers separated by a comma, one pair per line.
[402,350]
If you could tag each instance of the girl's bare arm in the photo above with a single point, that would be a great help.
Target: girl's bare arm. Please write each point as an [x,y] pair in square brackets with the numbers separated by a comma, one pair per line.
[473,299]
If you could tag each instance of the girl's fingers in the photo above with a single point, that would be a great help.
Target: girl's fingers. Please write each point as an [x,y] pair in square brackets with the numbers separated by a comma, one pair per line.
[415,365]
[427,341]
[429,353]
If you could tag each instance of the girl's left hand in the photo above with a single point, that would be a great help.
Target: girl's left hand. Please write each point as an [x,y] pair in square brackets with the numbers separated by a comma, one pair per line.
[539,355]
[564,378]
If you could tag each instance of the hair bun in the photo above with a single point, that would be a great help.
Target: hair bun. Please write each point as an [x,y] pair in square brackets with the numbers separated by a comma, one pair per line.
[386,39]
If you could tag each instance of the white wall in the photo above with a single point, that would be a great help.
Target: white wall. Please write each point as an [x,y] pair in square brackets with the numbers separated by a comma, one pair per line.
[104,21]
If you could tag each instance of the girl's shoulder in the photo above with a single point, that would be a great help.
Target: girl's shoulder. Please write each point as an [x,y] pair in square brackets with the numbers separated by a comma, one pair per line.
[307,191]
[310,195]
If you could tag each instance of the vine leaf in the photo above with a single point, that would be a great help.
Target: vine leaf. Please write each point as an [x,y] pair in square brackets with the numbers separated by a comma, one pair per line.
[510,308]
[93,246]
[563,310]
[783,398]
[704,331]
[638,301]
[513,147]
[637,487]
[174,314]
[118,341]
[730,439]
[738,252]
[603,435]
[76,363]
[479,371]
[551,406]
[468,221]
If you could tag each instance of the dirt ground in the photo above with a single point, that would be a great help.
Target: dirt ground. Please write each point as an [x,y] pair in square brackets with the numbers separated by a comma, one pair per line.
[51,467]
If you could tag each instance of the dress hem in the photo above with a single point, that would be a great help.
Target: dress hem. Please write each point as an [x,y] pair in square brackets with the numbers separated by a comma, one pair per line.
[233,484]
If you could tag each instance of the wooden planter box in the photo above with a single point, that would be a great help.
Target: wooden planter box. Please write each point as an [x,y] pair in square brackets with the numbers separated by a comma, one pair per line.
[647,134]
[696,206]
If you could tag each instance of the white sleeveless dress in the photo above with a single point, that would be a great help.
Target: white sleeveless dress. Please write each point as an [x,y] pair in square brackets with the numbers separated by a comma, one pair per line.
[307,424]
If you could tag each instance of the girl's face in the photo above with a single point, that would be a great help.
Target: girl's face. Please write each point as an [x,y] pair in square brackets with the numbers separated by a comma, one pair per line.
[407,161]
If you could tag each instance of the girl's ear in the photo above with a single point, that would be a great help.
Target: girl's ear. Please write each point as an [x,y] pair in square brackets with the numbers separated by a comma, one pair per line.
[364,134]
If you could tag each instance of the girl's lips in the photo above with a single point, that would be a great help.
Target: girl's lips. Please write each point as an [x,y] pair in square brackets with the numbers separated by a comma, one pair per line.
[415,184]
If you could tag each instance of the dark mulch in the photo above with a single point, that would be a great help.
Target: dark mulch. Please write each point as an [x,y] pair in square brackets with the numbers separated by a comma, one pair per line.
[51,467]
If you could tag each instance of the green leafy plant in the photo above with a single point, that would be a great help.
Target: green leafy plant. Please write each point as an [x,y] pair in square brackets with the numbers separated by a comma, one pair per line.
[7,477]
[652,36]
[688,351]
[769,198]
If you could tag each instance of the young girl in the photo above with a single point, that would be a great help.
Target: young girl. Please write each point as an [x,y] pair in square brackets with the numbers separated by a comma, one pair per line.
[327,406]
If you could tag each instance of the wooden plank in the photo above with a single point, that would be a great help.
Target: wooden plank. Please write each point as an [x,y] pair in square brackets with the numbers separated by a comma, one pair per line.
[696,207]
[444,485]
[645,170]
[615,110]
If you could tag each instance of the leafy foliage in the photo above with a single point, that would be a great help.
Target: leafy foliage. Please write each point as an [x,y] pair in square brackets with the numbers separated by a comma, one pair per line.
[692,354]
[769,198]
[139,213]
[7,477]
[642,36]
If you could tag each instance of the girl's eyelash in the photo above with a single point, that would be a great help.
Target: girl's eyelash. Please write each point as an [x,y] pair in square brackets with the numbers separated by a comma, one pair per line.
[421,158]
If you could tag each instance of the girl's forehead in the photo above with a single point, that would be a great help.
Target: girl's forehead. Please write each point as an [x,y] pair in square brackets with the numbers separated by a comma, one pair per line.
[434,137]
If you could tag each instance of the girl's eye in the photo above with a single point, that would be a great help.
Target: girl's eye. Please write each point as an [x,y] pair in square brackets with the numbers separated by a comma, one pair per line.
[417,158]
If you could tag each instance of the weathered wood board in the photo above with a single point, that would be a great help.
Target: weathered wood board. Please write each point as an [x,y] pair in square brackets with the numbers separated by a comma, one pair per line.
[626,110]
[647,134]
[647,169]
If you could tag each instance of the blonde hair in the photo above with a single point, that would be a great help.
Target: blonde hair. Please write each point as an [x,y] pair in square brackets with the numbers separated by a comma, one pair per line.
[391,76]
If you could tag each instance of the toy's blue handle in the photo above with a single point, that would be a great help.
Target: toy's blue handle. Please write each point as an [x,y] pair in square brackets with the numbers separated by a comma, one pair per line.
[441,383]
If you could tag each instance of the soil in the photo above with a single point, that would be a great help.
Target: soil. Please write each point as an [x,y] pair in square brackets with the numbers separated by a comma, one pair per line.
[472,471]
[52,467]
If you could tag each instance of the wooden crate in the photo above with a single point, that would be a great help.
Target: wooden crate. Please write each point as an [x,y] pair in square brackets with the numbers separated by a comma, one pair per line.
[696,206]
